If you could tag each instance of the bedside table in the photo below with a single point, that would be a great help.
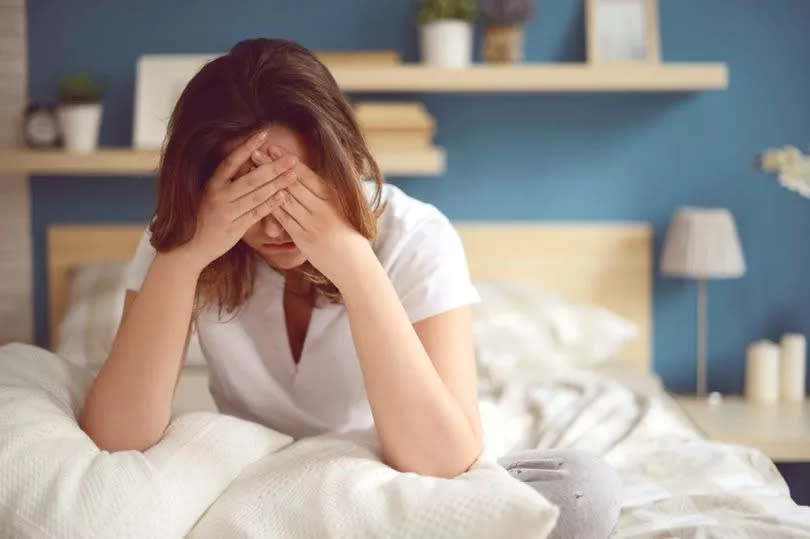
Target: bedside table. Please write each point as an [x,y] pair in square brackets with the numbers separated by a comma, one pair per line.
[781,431]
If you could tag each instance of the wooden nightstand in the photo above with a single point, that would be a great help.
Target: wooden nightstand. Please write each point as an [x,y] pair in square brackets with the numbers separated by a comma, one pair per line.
[781,431]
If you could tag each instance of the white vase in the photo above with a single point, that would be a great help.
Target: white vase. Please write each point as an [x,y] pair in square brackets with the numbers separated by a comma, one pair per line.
[80,125]
[447,43]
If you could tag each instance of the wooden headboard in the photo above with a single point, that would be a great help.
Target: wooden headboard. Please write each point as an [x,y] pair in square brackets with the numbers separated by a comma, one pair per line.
[608,264]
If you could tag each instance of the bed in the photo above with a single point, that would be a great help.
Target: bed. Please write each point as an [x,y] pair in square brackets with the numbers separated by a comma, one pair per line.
[676,484]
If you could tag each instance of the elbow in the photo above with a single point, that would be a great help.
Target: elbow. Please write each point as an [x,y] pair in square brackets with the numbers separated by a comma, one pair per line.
[444,463]
[112,437]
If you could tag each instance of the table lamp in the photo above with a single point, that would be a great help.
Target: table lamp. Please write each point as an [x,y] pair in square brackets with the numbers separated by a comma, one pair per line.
[701,244]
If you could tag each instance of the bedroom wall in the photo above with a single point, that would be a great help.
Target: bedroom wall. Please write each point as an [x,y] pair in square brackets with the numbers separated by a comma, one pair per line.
[548,157]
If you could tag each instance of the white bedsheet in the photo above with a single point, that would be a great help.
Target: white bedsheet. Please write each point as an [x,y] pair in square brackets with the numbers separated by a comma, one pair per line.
[675,483]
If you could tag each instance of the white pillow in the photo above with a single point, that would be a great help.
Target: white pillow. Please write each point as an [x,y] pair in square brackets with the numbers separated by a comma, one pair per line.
[55,482]
[336,486]
[519,326]
[95,305]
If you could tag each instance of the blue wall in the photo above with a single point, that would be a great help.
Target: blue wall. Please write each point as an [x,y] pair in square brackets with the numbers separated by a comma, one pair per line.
[614,157]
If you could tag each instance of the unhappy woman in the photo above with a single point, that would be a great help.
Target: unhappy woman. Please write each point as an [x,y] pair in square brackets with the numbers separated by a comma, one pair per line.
[324,300]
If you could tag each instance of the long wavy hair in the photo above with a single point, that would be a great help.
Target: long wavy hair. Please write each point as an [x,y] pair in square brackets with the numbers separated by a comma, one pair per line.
[258,83]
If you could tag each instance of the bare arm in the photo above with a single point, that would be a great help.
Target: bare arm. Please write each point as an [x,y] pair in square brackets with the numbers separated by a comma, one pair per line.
[420,379]
[422,389]
[129,403]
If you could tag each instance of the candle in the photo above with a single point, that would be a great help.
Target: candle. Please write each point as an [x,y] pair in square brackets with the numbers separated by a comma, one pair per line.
[762,372]
[794,353]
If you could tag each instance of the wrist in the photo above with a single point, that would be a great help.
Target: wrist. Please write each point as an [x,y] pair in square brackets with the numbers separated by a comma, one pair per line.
[182,262]
[358,260]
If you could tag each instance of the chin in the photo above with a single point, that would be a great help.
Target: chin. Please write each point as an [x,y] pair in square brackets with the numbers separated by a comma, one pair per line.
[286,262]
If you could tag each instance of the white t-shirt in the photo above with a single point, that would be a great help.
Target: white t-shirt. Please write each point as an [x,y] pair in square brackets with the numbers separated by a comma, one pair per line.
[252,372]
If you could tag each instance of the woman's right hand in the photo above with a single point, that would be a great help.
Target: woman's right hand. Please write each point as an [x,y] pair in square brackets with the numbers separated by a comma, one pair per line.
[231,204]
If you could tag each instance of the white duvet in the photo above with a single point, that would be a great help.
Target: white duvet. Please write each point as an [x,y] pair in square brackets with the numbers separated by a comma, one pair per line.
[217,476]
[675,484]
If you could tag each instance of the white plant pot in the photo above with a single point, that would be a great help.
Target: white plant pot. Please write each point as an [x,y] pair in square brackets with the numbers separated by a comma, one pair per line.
[447,43]
[80,125]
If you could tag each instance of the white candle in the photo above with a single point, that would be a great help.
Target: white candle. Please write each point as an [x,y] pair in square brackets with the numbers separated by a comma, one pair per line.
[794,354]
[762,372]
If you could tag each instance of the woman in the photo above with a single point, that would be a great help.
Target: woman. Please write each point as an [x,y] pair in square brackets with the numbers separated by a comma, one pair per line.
[323,303]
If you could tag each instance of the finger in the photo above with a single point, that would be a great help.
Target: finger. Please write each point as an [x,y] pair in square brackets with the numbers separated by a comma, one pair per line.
[244,222]
[259,177]
[296,209]
[255,198]
[229,166]
[313,182]
[259,157]
[288,222]
[305,197]
[275,152]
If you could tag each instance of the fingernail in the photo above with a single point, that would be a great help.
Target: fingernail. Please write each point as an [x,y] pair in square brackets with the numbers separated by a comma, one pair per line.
[256,155]
[261,136]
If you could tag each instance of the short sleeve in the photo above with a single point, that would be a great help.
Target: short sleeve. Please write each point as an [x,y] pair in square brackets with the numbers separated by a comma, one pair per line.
[430,273]
[139,264]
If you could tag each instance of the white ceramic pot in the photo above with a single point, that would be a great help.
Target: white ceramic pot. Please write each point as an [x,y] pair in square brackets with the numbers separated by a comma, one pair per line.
[447,43]
[80,125]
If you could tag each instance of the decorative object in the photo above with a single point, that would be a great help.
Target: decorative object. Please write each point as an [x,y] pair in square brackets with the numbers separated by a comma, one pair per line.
[503,36]
[79,113]
[159,80]
[41,126]
[792,166]
[762,372]
[446,32]
[794,367]
[623,31]
[701,244]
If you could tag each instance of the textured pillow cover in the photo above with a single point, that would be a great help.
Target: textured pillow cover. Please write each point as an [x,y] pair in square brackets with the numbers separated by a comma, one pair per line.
[95,305]
[55,482]
[336,486]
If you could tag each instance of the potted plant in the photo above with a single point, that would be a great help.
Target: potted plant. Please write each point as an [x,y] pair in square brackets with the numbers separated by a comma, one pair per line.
[79,112]
[503,37]
[446,28]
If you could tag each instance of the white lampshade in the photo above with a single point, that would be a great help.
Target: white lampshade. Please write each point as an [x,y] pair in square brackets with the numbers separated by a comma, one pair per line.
[702,243]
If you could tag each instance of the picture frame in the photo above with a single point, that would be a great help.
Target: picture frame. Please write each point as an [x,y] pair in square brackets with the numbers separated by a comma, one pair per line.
[159,81]
[623,32]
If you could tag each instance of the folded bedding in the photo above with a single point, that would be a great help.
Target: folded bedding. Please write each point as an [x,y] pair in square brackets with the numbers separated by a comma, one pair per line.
[214,475]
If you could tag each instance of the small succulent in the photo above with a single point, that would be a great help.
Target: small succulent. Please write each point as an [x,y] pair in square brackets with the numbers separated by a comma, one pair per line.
[78,89]
[792,166]
[434,10]
[508,12]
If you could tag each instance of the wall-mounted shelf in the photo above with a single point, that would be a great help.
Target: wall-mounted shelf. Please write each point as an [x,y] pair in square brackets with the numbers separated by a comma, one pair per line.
[123,162]
[668,77]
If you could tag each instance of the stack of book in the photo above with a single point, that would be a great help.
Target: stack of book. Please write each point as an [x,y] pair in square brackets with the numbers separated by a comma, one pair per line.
[395,126]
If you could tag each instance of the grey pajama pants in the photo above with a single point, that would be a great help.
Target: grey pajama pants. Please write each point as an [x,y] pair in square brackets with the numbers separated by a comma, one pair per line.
[585,488]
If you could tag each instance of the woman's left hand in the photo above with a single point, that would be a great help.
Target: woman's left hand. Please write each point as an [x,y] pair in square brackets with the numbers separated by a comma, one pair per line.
[311,215]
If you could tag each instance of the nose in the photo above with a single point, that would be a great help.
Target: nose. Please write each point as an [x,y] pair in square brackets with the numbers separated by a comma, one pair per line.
[272,228]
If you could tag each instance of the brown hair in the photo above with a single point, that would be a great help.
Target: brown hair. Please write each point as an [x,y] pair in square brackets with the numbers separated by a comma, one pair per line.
[259,82]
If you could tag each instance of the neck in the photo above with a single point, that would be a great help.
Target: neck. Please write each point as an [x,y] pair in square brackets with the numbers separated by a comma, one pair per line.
[295,284]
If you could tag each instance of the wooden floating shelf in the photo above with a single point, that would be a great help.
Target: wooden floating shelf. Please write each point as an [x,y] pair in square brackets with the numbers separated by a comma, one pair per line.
[127,162]
[669,77]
